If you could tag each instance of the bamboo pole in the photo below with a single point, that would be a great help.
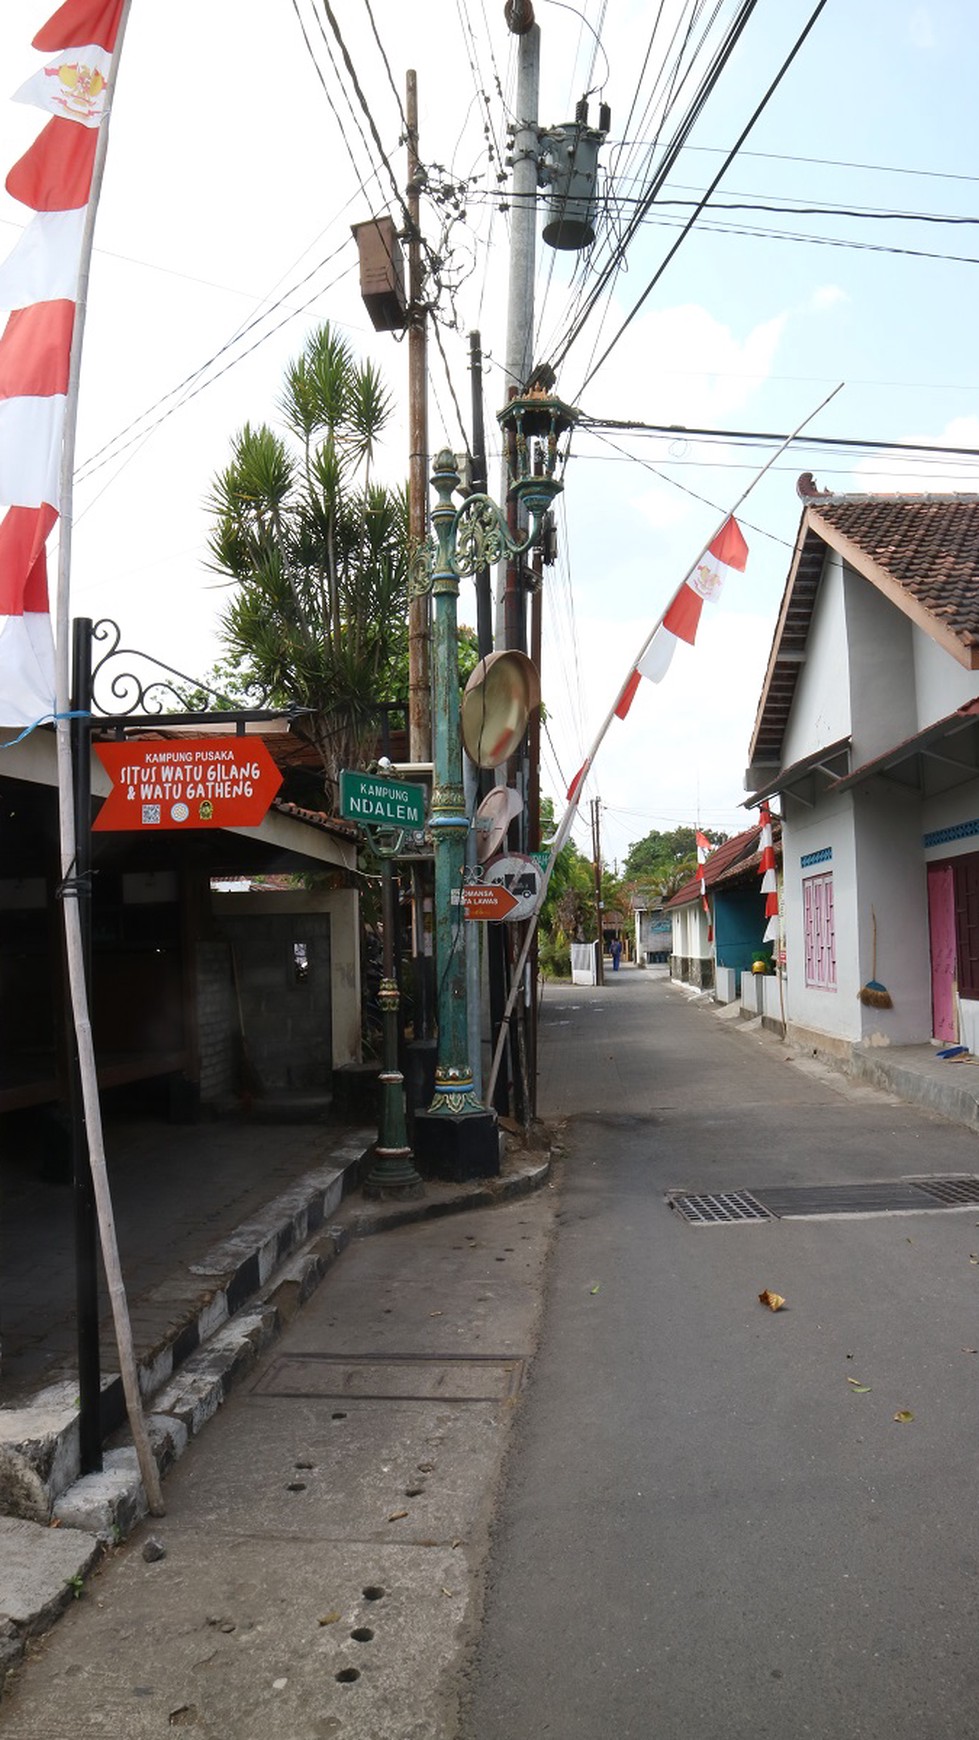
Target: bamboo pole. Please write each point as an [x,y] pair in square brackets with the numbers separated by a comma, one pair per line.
[567,819]
[72,919]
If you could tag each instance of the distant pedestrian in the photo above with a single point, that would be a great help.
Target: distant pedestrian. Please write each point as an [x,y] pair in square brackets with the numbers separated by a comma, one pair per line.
[616,952]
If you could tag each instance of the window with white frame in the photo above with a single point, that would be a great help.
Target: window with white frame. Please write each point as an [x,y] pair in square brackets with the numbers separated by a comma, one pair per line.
[820,932]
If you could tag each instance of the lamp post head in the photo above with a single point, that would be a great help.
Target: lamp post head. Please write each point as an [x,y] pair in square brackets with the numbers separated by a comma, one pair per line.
[536,420]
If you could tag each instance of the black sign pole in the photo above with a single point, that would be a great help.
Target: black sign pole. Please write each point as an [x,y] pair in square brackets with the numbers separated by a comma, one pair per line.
[83,1192]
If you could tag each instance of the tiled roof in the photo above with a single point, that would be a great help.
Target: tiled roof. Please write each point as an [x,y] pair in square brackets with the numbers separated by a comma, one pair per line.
[928,544]
[921,551]
[726,858]
[317,819]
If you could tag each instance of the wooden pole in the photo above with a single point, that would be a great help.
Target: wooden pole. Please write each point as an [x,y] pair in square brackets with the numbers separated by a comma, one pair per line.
[74,948]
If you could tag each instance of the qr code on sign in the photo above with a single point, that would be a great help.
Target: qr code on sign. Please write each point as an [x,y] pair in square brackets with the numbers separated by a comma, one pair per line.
[151,814]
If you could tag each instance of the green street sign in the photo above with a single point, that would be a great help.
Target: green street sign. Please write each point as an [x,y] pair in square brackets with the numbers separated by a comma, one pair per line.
[379,802]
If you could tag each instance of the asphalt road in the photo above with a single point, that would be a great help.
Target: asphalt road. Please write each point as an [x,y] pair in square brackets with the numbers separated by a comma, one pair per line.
[708,1531]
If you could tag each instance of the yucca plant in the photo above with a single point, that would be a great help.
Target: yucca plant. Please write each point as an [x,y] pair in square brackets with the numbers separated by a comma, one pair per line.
[318,553]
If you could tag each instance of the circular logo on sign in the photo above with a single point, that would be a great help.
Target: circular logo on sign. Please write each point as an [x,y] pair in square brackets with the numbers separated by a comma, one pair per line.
[179,812]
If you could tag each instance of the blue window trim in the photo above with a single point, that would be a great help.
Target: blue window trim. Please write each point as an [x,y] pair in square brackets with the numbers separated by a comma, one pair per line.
[945,836]
[823,856]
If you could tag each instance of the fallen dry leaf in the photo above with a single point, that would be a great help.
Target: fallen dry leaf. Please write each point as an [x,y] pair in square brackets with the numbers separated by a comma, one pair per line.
[396,1515]
[774,1301]
[859,1388]
[904,1415]
[329,1618]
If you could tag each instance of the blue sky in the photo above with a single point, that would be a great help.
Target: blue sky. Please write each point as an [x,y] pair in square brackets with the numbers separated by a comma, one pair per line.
[228,179]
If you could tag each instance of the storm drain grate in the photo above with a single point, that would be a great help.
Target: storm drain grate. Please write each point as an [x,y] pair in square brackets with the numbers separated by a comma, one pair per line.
[717,1208]
[795,1201]
[951,1190]
[896,1196]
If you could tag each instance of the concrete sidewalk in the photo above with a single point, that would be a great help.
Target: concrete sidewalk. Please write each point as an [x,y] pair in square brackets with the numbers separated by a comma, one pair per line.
[317,1569]
[217,1264]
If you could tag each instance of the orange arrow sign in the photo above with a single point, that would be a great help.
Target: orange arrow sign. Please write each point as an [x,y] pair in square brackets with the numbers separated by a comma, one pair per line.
[208,782]
[487,900]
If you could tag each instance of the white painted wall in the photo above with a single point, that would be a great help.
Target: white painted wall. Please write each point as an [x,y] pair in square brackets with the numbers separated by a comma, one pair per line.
[950,810]
[821,707]
[726,988]
[881,670]
[803,832]
[892,881]
[941,684]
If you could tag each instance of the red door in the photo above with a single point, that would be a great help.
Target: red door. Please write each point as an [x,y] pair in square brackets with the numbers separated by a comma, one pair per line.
[941,924]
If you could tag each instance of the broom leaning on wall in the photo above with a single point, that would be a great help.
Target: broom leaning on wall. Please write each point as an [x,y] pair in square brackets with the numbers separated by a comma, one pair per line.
[873,993]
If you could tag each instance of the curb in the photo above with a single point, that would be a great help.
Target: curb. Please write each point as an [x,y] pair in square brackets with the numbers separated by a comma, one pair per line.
[100,1510]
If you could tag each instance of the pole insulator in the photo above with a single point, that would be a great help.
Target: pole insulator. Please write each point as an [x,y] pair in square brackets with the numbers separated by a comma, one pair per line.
[519,15]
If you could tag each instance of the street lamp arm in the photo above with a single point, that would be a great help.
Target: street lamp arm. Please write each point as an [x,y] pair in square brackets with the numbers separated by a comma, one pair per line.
[482,537]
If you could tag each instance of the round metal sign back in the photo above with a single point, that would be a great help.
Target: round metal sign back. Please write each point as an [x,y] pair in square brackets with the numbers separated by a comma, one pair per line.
[522,877]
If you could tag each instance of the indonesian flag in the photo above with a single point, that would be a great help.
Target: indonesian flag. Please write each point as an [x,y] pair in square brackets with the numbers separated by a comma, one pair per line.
[38,286]
[72,86]
[726,555]
[703,853]
[769,884]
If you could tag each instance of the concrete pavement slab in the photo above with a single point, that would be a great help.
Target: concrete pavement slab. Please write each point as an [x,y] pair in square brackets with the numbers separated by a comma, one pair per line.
[324,1535]
[41,1566]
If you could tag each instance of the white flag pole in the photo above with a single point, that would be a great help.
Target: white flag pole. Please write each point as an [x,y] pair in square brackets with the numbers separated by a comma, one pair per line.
[564,829]
[72,918]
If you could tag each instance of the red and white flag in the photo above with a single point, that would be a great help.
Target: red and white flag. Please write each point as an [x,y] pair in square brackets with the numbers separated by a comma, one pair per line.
[38,285]
[704,849]
[769,883]
[727,554]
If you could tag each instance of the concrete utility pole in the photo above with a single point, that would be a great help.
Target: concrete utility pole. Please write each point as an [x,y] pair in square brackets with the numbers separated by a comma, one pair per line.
[523,260]
[419,609]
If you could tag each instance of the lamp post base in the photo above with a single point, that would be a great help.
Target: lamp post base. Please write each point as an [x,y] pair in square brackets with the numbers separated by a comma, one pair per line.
[457,1145]
[392,1174]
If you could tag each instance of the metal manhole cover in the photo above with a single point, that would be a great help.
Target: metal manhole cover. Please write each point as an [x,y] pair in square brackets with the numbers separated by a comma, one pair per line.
[717,1208]
[391,1378]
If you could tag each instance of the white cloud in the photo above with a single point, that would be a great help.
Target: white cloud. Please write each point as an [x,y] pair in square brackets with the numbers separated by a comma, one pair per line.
[729,369]
[683,749]
[826,296]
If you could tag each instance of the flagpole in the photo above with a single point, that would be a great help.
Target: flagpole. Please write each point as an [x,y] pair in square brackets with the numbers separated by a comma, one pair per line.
[72,917]
[578,782]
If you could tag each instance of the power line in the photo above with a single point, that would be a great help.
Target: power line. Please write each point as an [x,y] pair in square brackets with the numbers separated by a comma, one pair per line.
[705,88]
[763,437]
[761,106]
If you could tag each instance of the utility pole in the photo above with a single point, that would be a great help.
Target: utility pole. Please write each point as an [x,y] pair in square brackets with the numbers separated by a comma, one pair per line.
[520,296]
[419,609]
[419,605]
[596,852]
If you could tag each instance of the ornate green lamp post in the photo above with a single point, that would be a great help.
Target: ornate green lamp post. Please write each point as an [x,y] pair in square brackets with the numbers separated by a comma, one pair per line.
[393,1172]
[457,1137]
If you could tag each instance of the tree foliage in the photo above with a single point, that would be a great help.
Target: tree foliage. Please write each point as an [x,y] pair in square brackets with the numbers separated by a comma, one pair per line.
[658,857]
[318,554]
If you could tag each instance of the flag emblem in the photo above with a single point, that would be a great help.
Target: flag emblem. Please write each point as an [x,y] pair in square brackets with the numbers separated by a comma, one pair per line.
[80,90]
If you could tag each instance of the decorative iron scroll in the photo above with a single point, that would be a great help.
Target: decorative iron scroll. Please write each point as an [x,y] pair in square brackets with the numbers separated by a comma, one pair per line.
[130,691]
